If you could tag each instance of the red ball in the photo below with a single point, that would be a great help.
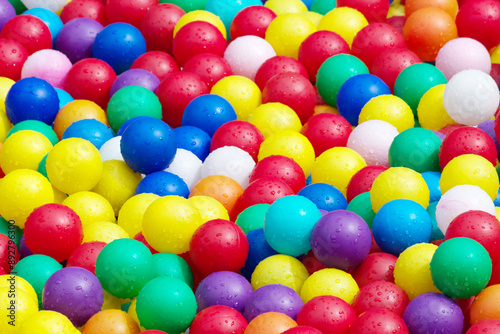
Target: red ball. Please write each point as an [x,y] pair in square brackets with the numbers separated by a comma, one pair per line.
[12,58]
[276,65]
[326,130]
[380,294]
[302,330]
[157,26]
[281,167]
[85,255]
[376,267]
[318,47]
[140,237]
[218,245]
[2,272]
[176,91]
[90,79]
[159,63]
[397,22]
[153,331]
[495,72]
[311,263]
[29,31]
[128,11]
[450,128]
[389,63]
[240,134]
[495,273]
[480,19]
[362,181]
[328,314]
[197,275]
[9,254]
[92,9]
[374,39]
[293,90]
[54,230]
[379,321]
[373,10]
[218,319]
[252,20]
[467,140]
[489,326]
[209,67]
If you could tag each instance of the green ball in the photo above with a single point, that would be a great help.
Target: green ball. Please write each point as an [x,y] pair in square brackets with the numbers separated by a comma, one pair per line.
[188,6]
[166,304]
[415,80]
[42,166]
[37,126]
[252,217]
[18,6]
[130,102]
[172,265]
[461,267]
[436,233]
[362,205]
[417,149]
[323,6]
[12,231]
[36,269]
[334,72]
[124,266]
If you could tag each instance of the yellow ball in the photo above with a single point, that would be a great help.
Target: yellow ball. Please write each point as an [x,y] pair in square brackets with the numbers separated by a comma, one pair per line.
[47,322]
[90,207]
[345,21]
[74,165]
[19,283]
[201,15]
[112,302]
[431,112]
[280,269]
[243,94]
[173,237]
[280,7]
[314,17]
[287,32]
[209,208]
[5,124]
[24,150]
[329,282]
[412,271]
[15,308]
[470,169]
[396,183]
[495,55]
[336,166]
[5,85]
[389,108]
[274,117]
[117,183]
[132,211]
[497,212]
[22,191]
[289,144]
[103,231]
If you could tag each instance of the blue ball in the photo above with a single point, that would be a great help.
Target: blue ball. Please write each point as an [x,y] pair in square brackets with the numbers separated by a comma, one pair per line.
[163,184]
[432,181]
[497,199]
[90,129]
[32,98]
[148,145]
[119,44]
[193,139]
[64,97]
[325,196]
[308,3]
[208,112]
[400,224]
[226,10]
[436,233]
[51,19]
[356,92]
[258,250]
[127,123]
[288,224]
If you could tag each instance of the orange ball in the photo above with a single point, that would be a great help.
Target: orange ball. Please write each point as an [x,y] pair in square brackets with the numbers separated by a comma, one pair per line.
[77,110]
[427,30]
[223,188]
[449,6]
[111,321]
[486,305]
[270,323]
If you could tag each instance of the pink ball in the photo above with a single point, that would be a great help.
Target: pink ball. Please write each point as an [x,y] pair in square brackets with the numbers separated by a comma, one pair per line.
[50,65]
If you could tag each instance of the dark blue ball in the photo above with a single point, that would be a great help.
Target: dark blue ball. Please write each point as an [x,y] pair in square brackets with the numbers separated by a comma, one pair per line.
[325,196]
[258,250]
[90,129]
[163,184]
[193,139]
[127,123]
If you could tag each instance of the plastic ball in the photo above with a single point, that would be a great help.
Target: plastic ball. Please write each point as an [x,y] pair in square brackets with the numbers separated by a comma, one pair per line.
[13,232]
[12,58]
[451,7]
[16,308]
[33,146]
[187,166]
[270,323]
[5,85]
[274,117]
[30,31]
[9,252]
[431,112]
[90,129]
[259,250]
[132,212]
[326,131]
[222,188]
[46,322]
[110,150]
[382,295]
[111,320]
[135,77]
[277,65]
[251,20]
[376,267]
[85,255]
[432,181]
[7,12]
[378,321]
[193,139]
[327,314]
[158,63]
[218,319]
[479,20]
[128,11]
[49,65]
[482,308]
[168,264]
[273,298]
[241,134]
[345,21]
[362,181]
[92,9]
[332,282]
[390,63]
[7,281]
[76,38]
[487,326]
[75,111]
[162,184]
[285,7]
[280,269]
[37,126]
[103,232]
[209,67]
[200,15]
[252,218]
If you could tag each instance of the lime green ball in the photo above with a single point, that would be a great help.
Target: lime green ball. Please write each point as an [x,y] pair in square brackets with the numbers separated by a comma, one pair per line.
[167,304]
[124,266]
[252,217]
[188,6]
[13,232]
[37,126]
[130,102]
[362,205]
[323,6]
[172,265]
[461,267]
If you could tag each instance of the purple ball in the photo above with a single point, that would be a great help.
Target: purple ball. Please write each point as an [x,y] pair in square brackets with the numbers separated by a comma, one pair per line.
[223,288]
[433,313]
[135,77]
[74,292]
[76,38]
[7,12]
[23,249]
[439,134]
[489,127]
[341,239]
[273,298]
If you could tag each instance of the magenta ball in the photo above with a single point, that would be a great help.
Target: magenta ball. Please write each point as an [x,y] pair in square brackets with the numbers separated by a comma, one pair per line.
[135,77]
[50,65]
[76,38]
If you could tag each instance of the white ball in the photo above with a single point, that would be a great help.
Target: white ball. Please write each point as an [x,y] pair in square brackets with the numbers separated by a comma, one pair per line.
[50,65]
[110,150]
[229,161]
[372,140]
[187,166]
[471,97]
[460,199]
[52,5]
[247,53]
